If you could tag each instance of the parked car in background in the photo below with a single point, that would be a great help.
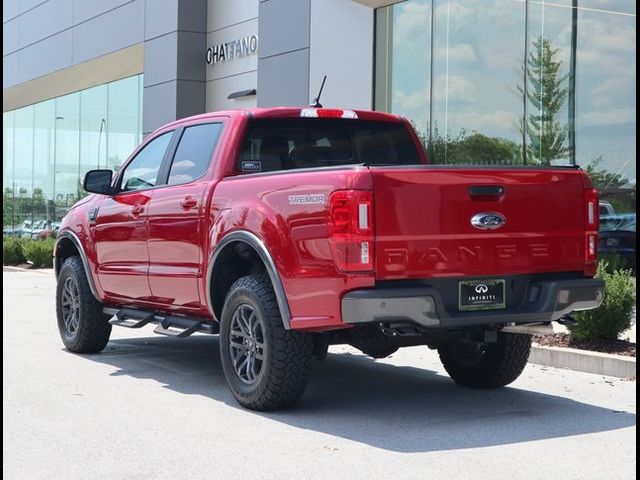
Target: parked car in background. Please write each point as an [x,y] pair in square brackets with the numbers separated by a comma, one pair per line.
[38,229]
[18,231]
[33,230]
[606,209]
[50,231]
[618,238]
[28,228]
[10,231]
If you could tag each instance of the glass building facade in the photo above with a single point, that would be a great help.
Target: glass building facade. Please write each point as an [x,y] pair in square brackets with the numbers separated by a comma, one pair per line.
[517,82]
[47,147]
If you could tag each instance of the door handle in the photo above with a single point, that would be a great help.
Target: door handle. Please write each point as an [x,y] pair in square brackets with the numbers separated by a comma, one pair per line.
[137,210]
[188,203]
[486,190]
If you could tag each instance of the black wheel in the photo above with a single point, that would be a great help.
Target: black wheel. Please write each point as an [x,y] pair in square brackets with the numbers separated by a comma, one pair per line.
[82,325]
[266,366]
[489,365]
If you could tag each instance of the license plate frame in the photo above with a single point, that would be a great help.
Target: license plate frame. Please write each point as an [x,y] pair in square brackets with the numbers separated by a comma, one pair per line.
[484,294]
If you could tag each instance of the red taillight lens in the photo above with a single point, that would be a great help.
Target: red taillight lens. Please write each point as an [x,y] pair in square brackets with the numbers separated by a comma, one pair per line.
[592,225]
[351,230]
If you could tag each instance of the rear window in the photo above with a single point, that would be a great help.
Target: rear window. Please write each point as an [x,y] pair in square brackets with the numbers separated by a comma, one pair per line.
[284,144]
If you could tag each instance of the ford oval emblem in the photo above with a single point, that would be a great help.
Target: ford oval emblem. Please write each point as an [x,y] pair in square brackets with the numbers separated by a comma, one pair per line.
[488,220]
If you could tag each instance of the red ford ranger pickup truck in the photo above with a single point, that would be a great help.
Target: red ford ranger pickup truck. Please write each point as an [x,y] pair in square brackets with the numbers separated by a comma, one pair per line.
[286,230]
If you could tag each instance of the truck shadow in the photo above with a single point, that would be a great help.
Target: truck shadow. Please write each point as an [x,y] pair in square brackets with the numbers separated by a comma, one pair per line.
[400,409]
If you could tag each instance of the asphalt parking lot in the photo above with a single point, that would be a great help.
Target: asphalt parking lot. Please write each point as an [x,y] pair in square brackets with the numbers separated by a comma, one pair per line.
[155,407]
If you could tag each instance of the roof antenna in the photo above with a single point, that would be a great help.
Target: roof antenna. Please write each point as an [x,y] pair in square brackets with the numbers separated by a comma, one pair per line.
[316,102]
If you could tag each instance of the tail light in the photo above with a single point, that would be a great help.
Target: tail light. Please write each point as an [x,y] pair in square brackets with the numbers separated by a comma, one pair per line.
[351,230]
[592,225]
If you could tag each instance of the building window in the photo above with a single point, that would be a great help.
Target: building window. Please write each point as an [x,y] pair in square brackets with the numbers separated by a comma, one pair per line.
[49,146]
[512,82]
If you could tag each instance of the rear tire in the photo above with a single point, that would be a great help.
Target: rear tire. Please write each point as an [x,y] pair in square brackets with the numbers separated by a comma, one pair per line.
[82,325]
[491,365]
[266,366]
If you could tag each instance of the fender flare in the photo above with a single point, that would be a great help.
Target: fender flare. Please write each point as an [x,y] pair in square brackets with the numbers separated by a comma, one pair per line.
[70,235]
[258,245]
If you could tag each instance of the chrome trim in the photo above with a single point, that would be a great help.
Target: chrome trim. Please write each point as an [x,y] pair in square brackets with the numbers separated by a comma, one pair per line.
[68,234]
[530,329]
[258,245]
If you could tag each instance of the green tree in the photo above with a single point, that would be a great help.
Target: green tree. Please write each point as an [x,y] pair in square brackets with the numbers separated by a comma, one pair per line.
[546,93]
[7,207]
[473,149]
[603,179]
[38,205]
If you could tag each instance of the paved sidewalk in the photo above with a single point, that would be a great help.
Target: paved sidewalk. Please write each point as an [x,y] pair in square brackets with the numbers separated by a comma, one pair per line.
[151,407]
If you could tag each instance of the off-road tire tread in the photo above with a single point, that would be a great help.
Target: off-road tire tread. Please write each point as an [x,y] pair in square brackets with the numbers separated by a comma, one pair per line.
[504,365]
[94,329]
[291,353]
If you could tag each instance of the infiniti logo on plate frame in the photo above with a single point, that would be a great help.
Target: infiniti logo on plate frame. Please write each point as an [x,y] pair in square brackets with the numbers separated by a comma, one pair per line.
[481,288]
[488,220]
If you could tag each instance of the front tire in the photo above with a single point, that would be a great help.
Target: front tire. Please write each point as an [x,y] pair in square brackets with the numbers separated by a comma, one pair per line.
[491,365]
[82,325]
[266,366]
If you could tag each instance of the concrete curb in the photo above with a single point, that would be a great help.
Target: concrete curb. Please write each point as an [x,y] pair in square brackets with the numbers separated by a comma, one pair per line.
[584,361]
[11,268]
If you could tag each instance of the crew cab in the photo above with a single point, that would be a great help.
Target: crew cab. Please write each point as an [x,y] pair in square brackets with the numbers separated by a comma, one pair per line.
[286,230]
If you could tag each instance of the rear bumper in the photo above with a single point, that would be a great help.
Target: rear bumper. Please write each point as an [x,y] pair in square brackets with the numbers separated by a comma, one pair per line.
[545,301]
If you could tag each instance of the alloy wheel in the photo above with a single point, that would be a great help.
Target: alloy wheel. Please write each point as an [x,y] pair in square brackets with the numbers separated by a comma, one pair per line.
[246,344]
[70,306]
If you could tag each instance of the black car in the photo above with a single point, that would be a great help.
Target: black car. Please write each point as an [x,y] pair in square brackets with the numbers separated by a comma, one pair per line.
[618,238]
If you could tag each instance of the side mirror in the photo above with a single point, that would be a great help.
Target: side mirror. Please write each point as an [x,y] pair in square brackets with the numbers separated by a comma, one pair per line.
[98,181]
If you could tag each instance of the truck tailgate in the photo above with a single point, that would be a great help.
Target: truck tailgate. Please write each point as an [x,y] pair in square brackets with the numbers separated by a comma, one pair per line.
[423,221]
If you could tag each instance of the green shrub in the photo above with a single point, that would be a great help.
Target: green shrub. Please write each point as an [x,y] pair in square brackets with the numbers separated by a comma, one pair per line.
[12,252]
[614,315]
[614,262]
[39,252]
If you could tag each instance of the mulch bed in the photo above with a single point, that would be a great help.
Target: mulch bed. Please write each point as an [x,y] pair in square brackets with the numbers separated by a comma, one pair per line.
[619,347]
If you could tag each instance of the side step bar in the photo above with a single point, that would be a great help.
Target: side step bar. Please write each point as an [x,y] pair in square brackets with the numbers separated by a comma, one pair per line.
[170,325]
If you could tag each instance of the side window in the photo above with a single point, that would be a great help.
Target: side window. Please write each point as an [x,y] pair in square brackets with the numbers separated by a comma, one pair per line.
[142,171]
[194,153]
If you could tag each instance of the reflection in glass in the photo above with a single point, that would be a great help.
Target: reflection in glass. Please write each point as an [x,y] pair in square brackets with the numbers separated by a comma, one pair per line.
[606,99]
[93,120]
[48,146]
[23,163]
[142,172]
[478,49]
[123,122]
[548,81]
[515,82]
[43,164]
[66,151]
[403,63]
